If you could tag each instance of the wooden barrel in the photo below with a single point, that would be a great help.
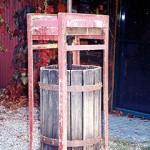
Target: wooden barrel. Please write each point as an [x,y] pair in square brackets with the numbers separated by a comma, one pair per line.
[83,112]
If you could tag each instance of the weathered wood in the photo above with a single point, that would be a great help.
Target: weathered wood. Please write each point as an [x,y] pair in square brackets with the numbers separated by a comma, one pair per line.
[68,109]
[83,108]
[45,30]
[86,20]
[45,20]
[88,79]
[45,37]
[49,108]
[97,108]
[83,47]
[65,20]
[44,46]
[84,31]
[52,109]
[43,100]
[76,108]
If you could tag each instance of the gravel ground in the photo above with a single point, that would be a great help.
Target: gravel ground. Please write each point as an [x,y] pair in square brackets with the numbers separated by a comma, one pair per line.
[14,133]
[134,130]
[133,133]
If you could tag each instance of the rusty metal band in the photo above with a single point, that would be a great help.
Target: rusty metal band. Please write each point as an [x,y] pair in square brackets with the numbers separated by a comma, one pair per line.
[74,143]
[75,88]
[50,87]
[49,141]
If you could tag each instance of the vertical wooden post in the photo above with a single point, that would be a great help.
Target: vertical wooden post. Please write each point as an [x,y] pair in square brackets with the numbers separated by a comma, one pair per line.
[114,51]
[76,55]
[105,87]
[62,66]
[30,80]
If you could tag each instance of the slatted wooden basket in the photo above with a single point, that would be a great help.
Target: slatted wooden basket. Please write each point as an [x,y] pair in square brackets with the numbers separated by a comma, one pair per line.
[84,107]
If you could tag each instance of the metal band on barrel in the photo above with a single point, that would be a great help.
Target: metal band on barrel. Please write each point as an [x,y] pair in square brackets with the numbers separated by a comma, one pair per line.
[74,88]
[74,143]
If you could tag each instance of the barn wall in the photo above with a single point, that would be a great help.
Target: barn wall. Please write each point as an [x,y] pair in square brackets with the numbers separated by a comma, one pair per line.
[6,69]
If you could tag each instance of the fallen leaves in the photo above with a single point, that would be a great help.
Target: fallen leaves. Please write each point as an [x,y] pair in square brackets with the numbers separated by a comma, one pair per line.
[120,113]
[2,118]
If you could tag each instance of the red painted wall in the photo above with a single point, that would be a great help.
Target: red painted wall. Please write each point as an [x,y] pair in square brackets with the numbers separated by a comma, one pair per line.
[6,69]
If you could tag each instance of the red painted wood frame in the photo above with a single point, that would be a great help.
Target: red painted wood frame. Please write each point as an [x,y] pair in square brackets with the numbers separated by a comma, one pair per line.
[67,24]
[39,27]
[85,26]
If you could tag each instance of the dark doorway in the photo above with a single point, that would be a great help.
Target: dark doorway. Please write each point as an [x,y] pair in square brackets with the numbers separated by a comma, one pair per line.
[132,80]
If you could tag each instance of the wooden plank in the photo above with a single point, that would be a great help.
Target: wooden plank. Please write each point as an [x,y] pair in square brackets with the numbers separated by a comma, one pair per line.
[84,47]
[97,107]
[68,110]
[45,37]
[43,100]
[83,22]
[86,20]
[44,46]
[39,20]
[105,87]
[41,108]
[76,108]
[62,65]
[30,81]
[44,30]
[99,37]
[84,31]
[52,109]
[88,79]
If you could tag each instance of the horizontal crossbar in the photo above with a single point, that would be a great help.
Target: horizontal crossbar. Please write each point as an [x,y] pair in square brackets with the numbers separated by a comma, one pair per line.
[84,31]
[85,47]
[44,46]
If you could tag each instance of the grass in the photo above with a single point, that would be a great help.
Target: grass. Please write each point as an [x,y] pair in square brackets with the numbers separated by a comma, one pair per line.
[117,144]
[147,148]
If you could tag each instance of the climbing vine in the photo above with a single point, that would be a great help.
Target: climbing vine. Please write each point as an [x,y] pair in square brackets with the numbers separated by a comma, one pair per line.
[4,26]
[17,90]
[16,93]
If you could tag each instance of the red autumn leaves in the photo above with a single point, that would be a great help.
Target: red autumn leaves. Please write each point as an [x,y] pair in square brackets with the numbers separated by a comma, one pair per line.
[50,9]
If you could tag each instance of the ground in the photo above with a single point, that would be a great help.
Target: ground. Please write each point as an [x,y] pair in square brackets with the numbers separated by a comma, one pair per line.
[124,133]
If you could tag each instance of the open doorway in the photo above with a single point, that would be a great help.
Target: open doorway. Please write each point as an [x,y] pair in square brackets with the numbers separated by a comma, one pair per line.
[132,80]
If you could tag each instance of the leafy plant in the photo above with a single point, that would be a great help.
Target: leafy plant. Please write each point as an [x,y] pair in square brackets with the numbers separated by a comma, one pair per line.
[4,27]
[18,86]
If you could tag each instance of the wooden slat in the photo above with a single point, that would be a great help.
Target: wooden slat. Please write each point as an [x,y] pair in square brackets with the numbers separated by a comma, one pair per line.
[43,108]
[88,79]
[44,46]
[84,31]
[68,110]
[49,107]
[44,30]
[98,37]
[52,109]
[76,108]
[45,37]
[97,107]
[85,22]
[84,47]
[39,20]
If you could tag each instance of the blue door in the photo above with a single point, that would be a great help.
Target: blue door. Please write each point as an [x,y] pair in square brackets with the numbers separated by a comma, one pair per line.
[132,72]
